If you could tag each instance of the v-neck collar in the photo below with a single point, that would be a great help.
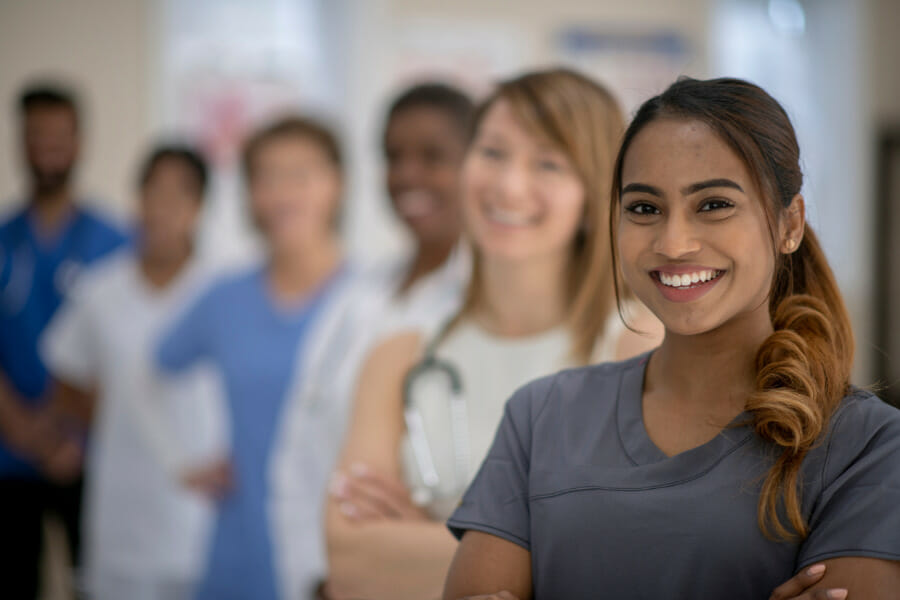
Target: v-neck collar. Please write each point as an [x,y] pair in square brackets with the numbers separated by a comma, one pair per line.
[50,244]
[641,450]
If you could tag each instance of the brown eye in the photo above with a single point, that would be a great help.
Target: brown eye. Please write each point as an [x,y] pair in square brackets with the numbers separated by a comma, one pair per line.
[715,204]
[491,153]
[642,208]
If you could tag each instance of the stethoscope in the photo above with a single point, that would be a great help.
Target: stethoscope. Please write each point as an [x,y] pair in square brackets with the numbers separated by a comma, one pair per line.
[459,424]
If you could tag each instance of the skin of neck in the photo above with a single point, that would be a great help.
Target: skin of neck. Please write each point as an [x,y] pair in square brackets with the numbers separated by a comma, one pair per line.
[51,207]
[297,269]
[718,365]
[428,258]
[523,297]
[161,268]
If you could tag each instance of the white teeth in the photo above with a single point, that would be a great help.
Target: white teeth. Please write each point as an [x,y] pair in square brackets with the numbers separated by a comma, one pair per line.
[417,203]
[506,217]
[687,279]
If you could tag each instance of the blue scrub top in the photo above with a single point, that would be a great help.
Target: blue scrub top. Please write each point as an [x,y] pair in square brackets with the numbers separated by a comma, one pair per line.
[574,478]
[35,272]
[254,344]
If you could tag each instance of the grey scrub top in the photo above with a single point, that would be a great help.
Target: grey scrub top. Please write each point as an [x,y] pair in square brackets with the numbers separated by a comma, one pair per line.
[573,477]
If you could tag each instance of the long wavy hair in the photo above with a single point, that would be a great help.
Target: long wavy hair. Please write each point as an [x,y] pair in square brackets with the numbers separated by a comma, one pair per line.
[582,120]
[803,368]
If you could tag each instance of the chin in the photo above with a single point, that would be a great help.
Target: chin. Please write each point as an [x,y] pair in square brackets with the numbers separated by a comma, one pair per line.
[696,323]
[508,253]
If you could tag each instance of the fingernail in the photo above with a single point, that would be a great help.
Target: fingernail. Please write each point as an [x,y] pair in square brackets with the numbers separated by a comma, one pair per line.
[837,594]
[359,469]
[338,485]
[815,570]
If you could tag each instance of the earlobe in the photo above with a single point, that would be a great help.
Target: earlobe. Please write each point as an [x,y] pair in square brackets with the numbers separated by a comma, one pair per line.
[794,224]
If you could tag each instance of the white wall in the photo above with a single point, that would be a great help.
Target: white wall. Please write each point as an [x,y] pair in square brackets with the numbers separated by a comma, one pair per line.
[101,46]
[376,32]
[109,48]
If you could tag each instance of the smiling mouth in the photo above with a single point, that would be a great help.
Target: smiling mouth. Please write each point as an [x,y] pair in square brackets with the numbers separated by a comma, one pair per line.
[686,281]
[415,204]
[508,218]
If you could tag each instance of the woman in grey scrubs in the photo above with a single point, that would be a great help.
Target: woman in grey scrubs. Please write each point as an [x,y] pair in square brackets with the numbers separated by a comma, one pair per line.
[737,453]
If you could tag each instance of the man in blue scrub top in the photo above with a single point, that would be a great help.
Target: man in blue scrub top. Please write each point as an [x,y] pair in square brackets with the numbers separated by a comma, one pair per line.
[42,248]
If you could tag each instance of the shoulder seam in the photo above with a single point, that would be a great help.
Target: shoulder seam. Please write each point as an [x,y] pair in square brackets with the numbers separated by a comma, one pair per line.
[546,399]
[836,420]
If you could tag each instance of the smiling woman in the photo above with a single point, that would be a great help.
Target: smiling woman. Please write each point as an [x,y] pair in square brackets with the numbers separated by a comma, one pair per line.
[737,452]
[541,298]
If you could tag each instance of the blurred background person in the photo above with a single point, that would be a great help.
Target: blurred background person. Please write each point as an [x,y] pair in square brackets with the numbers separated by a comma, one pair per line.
[144,533]
[533,192]
[42,249]
[424,142]
[256,328]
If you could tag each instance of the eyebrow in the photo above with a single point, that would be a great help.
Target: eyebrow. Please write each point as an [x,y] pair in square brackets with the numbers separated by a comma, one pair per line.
[691,189]
[642,187]
[711,183]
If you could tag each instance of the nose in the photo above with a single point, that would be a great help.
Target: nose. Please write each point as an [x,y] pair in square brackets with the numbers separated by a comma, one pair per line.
[406,171]
[513,181]
[677,238]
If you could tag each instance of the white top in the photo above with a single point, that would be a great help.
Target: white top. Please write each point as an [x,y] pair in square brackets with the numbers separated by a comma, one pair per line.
[138,518]
[491,368]
[376,312]
[364,310]
[429,302]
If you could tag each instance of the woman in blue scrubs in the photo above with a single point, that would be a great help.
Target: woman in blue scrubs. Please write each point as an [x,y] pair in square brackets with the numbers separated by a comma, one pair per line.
[254,328]
[737,453]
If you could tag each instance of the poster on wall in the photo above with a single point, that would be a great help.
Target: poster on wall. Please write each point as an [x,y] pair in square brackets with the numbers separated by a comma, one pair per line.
[225,68]
[634,64]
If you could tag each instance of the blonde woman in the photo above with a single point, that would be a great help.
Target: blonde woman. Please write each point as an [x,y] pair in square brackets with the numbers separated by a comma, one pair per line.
[534,191]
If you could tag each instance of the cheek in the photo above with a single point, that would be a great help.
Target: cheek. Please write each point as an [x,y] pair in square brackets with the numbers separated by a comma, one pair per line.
[187,219]
[472,186]
[324,197]
[445,178]
[630,241]
[565,214]
[752,252]
[260,206]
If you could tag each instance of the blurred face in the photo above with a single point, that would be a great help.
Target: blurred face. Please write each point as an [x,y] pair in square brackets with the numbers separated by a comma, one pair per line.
[169,209]
[521,197]
[692,232]
[51,145]
[294,191]
[424,149]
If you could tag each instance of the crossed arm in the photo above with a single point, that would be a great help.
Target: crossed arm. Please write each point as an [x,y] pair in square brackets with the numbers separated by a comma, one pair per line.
[379,544]
[486,566]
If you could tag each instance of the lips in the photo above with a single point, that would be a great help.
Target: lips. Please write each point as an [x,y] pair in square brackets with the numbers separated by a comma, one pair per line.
[506,217]
[416,204]
[686,284]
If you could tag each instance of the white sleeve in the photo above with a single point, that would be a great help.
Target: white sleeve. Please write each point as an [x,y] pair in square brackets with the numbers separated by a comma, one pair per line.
[69,346]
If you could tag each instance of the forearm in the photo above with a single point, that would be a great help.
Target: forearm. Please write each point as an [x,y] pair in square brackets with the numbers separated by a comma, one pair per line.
[387,559]
[72,403]
[12,412]
[485,564]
